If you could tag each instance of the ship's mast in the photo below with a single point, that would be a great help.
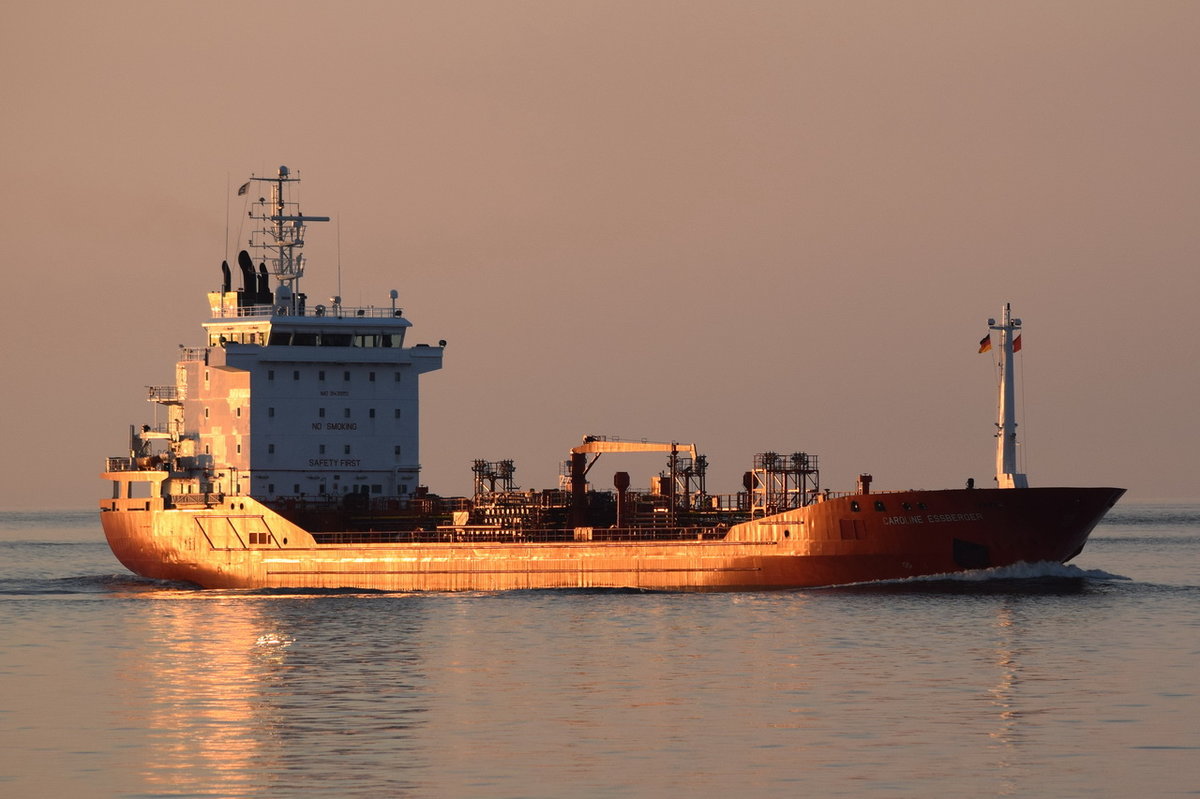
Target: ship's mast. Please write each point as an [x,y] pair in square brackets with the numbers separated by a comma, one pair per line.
[279,241]
[1007,475]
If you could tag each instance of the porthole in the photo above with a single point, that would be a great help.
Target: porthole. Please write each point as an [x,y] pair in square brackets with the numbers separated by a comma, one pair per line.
[854,506]
[879,505]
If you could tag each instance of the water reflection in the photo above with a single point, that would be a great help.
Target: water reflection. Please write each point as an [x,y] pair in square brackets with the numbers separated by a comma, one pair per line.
[250,695]
[1007,735]
[888,692]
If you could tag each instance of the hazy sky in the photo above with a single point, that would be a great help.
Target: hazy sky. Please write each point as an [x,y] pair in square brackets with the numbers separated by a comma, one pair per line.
[752,225]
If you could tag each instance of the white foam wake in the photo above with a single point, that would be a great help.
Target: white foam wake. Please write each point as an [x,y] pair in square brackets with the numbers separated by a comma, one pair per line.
[1022,571]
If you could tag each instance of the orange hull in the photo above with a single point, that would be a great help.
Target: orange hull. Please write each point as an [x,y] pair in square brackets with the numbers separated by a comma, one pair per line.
[891,535]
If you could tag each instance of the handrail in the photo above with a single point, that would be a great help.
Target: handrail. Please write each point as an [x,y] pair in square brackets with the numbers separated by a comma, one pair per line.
[481,535]
[339,312]
[124,463]
[163,394]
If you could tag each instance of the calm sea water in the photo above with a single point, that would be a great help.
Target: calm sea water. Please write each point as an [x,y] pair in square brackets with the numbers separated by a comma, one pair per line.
[1062,681]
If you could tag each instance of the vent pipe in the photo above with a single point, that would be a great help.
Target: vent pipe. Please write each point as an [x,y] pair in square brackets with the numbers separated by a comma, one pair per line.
[249,279]
[264,287]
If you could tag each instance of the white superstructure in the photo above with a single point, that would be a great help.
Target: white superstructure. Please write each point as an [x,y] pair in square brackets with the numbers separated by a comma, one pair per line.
[287,399]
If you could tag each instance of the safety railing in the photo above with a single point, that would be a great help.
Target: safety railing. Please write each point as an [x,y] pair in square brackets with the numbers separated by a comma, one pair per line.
[163,394]
[487,535]
[334,312]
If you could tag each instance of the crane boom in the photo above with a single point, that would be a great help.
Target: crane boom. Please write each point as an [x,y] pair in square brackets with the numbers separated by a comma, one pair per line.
[598,446]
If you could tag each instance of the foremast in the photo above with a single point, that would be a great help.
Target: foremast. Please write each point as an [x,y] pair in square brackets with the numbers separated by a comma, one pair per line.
[1007,475]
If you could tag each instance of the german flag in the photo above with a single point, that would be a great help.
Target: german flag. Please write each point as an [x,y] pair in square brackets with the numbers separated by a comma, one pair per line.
[985,343]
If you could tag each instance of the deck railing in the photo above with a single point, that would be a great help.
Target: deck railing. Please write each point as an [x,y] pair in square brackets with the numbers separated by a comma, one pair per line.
[493,535]
[124,463]
[332,312]
[163,394]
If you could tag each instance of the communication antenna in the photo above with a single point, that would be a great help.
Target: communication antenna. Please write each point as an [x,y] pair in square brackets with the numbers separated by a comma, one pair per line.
[227,189]
[280,239]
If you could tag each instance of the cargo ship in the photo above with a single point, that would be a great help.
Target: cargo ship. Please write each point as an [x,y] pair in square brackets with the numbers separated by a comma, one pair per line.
[286,455]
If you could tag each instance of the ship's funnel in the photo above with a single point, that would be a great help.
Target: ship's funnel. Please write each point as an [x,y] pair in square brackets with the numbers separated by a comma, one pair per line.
[249,279]
[226,278]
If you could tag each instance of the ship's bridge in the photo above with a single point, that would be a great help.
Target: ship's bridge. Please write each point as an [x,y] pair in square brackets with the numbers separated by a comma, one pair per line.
[319,326]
